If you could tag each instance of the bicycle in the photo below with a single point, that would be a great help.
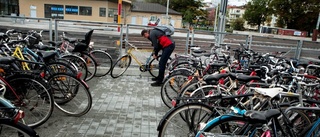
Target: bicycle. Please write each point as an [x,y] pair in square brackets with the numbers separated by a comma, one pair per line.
[99,62]
[10,117]
[123,63]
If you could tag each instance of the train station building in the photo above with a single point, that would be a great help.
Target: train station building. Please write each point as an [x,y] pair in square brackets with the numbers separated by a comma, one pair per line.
[137,13]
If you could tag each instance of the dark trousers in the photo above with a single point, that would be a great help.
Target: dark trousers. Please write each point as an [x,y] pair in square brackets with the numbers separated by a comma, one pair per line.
[166,53]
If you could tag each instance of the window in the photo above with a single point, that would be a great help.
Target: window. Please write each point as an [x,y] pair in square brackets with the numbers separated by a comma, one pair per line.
[237,16]
[85,10]
[112,12]
[9,6]
[153,18]
[238,11]
[102,12]
[53,11]
[71,10]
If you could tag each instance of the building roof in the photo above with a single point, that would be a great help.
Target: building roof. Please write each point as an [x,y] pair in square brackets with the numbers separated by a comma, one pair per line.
[152,7]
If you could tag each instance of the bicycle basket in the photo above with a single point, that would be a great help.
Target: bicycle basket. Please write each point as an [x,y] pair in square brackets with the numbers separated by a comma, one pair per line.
[80,47]
[35,39]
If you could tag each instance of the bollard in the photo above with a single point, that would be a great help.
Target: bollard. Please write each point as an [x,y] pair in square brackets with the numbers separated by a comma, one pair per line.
[315,35]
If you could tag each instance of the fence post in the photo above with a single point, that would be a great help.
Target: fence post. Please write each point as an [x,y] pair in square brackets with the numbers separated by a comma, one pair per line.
[56,30]
[192,38]
[127,37]
[50,29]
[298,50]
[249,40]
[187,41]
[121,37]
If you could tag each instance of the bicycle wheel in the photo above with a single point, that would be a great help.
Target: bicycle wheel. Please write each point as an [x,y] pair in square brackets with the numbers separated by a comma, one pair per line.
[184,120]
[313,130]
[71,95]
[91,65]
[171,88]
[34,98]
[121,65]
[58,67]
[229,125]
[10,129]
[299,121]
[153,66]
[79,62]
[104,62]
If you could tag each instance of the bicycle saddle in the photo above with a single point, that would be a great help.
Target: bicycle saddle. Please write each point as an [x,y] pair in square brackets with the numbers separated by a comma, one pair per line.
[218,64]
[243,77]
[44,47]
[46,55]
[71,40]
[262,115]
[55,43]
[6,60]
[214,77]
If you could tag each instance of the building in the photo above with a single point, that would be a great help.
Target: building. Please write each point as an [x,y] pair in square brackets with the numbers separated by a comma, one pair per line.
[90,10]
[144,13]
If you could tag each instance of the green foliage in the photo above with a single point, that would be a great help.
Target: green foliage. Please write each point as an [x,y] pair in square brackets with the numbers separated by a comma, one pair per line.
[256,12]
[296,14]
[190,9]
[237,24]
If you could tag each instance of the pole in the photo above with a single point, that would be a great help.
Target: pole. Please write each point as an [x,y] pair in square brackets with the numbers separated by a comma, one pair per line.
[215,19]
[167,13]
[119,13]
[318,23]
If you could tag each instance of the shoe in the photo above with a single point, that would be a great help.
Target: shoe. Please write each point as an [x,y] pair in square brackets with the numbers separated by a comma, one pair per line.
[156,84]
[154,79]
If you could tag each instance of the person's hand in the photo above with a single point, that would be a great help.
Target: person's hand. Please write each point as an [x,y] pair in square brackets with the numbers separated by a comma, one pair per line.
[154,56]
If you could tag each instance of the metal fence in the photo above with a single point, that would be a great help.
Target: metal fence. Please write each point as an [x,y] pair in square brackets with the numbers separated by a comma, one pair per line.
[106,35]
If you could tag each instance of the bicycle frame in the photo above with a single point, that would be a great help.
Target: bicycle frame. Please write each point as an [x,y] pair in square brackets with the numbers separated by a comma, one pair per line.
[129,52]
[18,53]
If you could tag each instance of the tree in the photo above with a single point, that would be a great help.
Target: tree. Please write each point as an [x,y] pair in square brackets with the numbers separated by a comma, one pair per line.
[256,12]
[211,16]
[237,24]
[297,14]
[190,9]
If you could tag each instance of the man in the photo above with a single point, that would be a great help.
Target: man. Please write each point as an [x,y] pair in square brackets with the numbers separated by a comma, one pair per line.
[159,42]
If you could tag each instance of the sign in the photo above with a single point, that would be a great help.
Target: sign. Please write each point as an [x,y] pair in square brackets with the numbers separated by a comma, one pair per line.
[297,33]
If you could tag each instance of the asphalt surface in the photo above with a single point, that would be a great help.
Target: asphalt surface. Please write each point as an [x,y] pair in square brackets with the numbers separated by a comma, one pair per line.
[126,106]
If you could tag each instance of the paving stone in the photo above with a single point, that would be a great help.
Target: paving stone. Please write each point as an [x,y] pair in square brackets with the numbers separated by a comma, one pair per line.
[127,106]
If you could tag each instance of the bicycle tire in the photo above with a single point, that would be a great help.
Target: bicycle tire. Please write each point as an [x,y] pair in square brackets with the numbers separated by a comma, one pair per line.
[153,66]
[182,112]
[123,63]
[311,131]
[298,128]
[104,62]
[23,85]
[10,129]
[58,67]
[76,99]
[79,62]
[171,88]
[91,65]
[237,127]
[69,63]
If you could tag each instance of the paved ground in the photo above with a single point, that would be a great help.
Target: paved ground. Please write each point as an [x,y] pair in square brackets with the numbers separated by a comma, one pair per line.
[126,106]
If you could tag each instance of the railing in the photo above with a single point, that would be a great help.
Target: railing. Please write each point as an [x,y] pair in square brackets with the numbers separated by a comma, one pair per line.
[295,48]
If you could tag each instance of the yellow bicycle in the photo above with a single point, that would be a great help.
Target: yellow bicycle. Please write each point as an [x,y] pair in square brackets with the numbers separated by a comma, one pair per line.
[123,63]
